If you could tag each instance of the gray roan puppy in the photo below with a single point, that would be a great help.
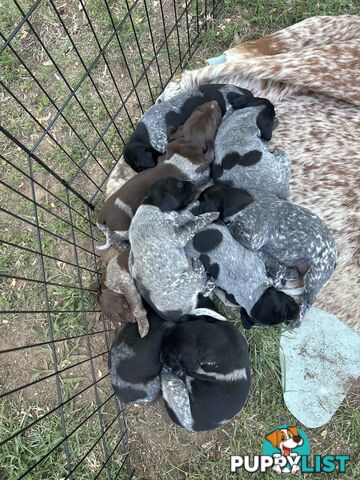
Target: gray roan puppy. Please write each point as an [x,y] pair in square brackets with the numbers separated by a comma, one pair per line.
[242,274]
[205,380]
[242,158]
[290,234]
[158,234]
[134,362]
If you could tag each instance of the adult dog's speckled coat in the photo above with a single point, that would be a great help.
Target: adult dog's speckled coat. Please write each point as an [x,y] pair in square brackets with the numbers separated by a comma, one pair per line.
[309,71]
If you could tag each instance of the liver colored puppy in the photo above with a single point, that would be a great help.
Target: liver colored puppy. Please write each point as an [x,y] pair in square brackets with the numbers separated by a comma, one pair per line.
[188,157]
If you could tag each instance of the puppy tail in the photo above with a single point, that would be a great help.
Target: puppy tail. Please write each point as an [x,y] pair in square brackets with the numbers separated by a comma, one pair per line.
[210,313]
[105,230]
[105,246]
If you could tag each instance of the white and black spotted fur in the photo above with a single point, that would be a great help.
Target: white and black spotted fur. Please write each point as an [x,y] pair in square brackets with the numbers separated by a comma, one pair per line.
[234,268]
[206,376]
[158,264]
[134,362]
[291,234]
[150,137]
[242,158]
[242,274]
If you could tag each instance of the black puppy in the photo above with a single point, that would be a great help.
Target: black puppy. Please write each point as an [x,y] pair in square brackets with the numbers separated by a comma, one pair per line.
[205,380]
[134,362]
[150,137]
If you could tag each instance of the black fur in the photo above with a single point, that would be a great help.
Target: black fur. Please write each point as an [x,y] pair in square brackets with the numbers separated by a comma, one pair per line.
[206,241]
[266,118]
[272,308]
[140,154]
[212,269]
[202,351]
[169,194]
[232,159]
[141,367]
[224,199]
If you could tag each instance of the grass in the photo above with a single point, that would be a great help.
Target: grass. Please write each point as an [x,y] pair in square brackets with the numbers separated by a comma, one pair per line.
[24,450]
[207,457]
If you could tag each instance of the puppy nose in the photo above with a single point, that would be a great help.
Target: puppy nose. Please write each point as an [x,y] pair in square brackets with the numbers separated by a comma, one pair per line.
[297,439]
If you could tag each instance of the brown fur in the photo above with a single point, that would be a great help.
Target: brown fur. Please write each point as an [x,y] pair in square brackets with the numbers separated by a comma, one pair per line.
[310,72]
[117,294]
[193,141]
[118,297]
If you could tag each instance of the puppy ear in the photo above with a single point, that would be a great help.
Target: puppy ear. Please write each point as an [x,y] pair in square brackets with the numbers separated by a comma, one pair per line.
[246,320]
[289,309]
[95,287]
[274,438]
[171,133]
[209,155]
[266,118]
[294,431]
[164,200]
[151,155]
[237,100]
[189,362]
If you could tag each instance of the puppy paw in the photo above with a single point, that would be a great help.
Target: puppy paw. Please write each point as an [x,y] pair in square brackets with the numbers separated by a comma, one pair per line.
[293,323]
[199,268]
[209,288]
[210,216]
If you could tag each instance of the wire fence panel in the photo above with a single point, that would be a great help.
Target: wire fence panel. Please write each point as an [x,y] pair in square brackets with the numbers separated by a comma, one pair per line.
[75,77]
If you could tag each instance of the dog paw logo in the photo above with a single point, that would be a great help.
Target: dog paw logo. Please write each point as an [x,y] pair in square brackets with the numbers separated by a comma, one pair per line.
[286,444]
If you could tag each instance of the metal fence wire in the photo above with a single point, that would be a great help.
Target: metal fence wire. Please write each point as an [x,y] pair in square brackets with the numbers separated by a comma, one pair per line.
[76,76]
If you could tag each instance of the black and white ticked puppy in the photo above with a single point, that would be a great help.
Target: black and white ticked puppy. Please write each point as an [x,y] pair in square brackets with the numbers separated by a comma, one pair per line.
[158,234]
[150,136]
[242,274]
[205,380]
[290,234]
[134,362]
[242,158]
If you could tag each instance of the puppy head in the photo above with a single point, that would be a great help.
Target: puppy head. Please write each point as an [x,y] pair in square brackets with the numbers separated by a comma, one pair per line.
[139,156]
[211,200]
[285,437]
[223,199]
[198,345]
[115,307]
[274,307]
[178,351]
[169,194]
[198,132]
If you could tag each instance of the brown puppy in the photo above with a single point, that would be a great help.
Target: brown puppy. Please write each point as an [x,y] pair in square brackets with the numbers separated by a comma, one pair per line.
[118,297]
[188,157]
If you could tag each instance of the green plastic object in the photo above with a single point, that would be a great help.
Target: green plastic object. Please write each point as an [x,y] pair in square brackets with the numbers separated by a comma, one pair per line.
[320,361]
[217,60]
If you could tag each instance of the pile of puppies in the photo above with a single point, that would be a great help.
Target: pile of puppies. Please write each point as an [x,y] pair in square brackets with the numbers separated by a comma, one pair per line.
[207,212]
